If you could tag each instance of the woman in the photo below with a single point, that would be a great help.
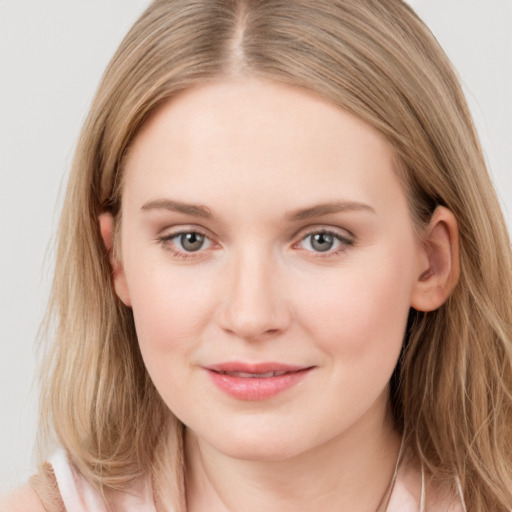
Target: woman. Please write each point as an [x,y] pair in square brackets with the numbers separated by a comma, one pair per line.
[282,273]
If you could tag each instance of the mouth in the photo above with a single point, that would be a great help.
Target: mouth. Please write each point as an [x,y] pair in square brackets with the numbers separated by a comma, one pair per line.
[256,381]
[245,375]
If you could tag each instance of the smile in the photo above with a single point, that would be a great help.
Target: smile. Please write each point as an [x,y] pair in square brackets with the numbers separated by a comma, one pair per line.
[245,375]
[256,382]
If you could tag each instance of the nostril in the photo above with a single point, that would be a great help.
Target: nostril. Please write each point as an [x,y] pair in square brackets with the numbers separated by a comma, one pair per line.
[253,330]
[252,306]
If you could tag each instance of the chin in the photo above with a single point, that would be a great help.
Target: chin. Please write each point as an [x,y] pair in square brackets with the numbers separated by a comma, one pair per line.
[265,444]
[262,450]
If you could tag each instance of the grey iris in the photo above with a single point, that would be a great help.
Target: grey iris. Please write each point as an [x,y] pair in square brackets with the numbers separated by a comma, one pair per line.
[191,241]
[322,242]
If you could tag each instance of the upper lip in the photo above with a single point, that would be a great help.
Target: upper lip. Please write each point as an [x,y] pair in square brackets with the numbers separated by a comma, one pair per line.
[255,368]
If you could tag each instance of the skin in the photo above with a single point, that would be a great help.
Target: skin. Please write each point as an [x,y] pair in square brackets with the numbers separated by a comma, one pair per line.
[252,155]
[21,500]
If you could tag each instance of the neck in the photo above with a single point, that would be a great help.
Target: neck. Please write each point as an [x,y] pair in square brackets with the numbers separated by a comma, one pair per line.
[349,472]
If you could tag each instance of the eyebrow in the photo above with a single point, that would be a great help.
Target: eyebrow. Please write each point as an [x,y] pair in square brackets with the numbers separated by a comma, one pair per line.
[197,210]
[326,209]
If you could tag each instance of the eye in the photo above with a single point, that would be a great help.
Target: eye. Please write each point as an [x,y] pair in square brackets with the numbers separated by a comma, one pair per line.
[191,242]
[186,242]
[324,241]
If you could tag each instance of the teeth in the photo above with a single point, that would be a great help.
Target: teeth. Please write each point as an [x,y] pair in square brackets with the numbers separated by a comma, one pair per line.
[245,375]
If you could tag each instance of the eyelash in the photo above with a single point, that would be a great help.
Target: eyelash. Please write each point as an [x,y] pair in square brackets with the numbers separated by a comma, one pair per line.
[166,241]
[345,242]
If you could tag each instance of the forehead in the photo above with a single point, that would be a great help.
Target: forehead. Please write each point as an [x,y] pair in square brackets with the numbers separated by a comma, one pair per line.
[237,139]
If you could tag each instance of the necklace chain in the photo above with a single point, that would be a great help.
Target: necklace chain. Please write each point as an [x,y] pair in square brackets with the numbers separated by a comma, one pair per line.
[383,505]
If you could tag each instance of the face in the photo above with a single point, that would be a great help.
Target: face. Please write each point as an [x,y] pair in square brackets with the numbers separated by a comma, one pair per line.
[270,259]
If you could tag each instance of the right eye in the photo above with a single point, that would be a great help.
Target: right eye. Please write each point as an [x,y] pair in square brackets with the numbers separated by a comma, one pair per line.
[185,243]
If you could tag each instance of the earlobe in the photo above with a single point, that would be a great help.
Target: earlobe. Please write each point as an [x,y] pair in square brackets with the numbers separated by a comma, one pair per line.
[106,223]
[438,268]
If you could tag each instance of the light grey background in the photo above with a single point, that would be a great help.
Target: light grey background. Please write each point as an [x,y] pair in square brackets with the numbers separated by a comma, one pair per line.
[52,54]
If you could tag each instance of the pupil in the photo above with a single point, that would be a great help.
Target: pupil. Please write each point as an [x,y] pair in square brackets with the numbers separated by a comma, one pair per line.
[322,242]
[192,241]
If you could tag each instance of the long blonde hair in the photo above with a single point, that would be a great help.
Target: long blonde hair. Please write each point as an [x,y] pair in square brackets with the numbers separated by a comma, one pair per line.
[452,390]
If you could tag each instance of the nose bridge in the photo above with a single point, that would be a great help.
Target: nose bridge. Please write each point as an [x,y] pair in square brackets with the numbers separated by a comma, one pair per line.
[254,304]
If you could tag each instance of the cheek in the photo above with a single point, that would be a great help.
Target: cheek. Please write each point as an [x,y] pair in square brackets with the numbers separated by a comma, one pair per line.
[170,309]
[361,312]
[359,327]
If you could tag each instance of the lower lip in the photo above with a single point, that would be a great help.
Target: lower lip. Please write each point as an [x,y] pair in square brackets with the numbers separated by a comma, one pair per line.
[252,388]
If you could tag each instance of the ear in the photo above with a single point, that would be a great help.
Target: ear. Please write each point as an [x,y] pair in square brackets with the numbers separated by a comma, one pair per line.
[438,269]
[106,222]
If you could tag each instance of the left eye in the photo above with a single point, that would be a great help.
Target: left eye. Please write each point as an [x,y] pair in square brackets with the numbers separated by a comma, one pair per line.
[191,241]
[323,241]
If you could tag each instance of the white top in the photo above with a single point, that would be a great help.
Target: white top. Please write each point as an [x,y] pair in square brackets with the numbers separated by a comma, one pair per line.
[78,495]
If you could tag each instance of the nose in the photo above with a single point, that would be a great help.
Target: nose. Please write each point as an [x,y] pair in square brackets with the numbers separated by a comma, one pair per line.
[254,305]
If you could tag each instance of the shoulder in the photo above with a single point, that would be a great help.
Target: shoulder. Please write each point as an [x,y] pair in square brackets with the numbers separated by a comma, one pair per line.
[23,499]
[61,486]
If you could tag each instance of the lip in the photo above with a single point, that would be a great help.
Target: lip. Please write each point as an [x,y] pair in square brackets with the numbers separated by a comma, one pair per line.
[249,381]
